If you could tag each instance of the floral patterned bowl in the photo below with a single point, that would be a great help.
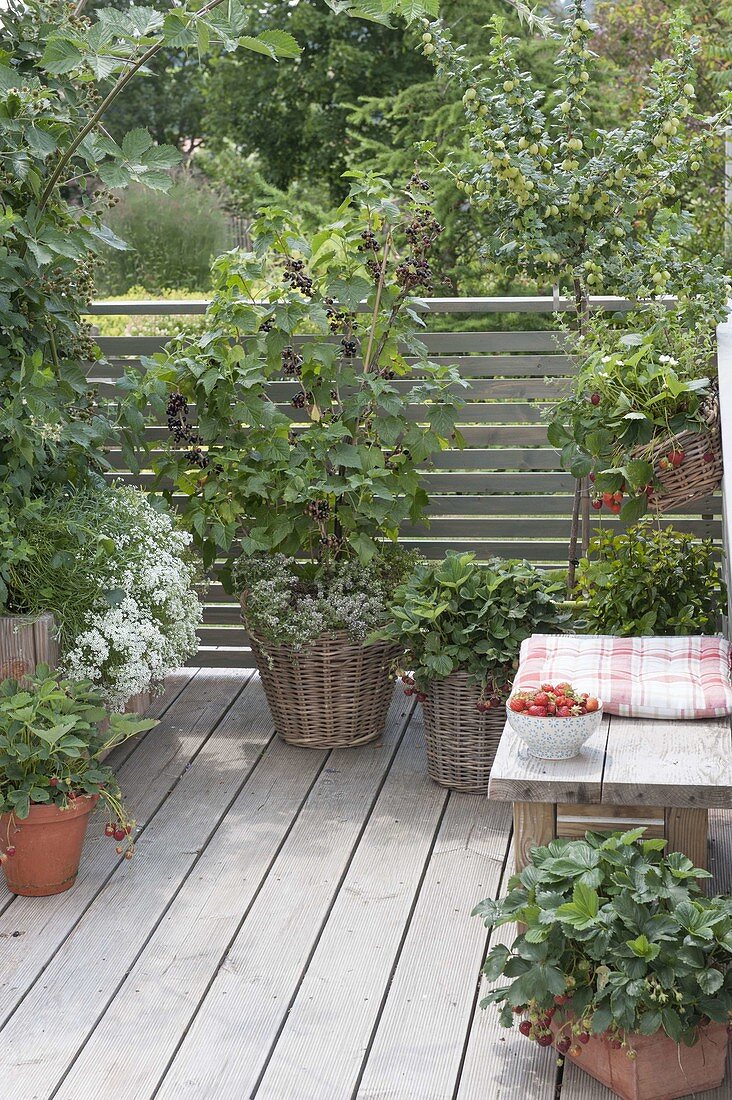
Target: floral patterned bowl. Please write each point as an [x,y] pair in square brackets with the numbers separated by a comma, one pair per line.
[554,738]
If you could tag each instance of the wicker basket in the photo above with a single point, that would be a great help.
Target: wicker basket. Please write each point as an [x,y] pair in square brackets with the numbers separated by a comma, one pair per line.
[699,474]
[333,693]
[461,741]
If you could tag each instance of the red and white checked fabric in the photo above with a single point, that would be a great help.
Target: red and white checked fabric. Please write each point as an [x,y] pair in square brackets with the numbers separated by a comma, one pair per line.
[685,677]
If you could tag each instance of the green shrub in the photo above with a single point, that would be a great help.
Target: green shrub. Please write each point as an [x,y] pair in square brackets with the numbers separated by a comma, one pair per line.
[172,238]
[649,580]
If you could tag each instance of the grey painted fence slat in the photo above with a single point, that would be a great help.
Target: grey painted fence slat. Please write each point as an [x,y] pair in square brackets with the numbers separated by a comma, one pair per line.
[493,497]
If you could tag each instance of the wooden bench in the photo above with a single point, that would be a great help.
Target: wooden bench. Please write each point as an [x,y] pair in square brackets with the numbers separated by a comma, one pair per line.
[634,771]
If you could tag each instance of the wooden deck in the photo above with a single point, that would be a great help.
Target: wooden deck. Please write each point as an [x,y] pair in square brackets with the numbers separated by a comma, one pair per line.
[294,926]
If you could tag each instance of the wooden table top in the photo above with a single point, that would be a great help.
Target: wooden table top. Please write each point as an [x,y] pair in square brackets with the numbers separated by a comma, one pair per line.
[627,762]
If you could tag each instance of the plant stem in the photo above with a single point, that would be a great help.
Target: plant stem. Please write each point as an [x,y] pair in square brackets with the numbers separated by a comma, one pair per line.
[377,303]
[108,100]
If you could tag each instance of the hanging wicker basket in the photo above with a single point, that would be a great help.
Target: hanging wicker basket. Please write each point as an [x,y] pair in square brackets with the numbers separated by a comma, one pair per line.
[332,693]
[698,475]
[461,741]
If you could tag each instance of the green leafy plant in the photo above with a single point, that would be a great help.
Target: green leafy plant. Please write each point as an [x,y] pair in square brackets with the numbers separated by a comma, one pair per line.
[60,72]
[618,940]
[650,580]
[637,385]
[293,603]
[52,733]
[307,438]
[457,614]
[584,207]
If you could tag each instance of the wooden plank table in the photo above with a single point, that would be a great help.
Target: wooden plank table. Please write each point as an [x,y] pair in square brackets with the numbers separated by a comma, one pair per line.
[662,774]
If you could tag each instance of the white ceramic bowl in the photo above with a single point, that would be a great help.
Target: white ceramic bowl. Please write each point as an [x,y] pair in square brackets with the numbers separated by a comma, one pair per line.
[554,738]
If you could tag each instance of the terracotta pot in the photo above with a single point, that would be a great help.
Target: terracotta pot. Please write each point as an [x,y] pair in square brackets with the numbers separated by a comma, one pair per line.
[48,846]
[662,1069]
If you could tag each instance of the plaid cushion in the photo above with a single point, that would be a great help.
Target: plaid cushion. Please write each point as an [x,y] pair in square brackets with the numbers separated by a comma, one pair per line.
[686,677]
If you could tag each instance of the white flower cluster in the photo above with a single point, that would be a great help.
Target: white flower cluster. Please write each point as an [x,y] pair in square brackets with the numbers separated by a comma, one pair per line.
[144,624]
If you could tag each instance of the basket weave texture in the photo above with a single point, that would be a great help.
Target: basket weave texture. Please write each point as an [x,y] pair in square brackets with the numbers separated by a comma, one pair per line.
[697,476]
[332,693]
[461,741]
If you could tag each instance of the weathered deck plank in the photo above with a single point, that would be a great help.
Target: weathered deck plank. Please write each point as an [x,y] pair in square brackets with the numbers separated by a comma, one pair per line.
[165,986]
[250,995]
[418,1046]
[341,993]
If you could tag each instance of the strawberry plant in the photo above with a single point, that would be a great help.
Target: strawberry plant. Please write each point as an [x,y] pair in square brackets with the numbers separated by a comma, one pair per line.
[457,614]
[638,383]
[618,940]
[50,742]
[649,580]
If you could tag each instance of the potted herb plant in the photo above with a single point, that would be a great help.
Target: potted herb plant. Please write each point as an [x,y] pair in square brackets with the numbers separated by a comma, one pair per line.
[316,407]
[50,778]
[461,625]
[649,580]
[623,964]
[643,415]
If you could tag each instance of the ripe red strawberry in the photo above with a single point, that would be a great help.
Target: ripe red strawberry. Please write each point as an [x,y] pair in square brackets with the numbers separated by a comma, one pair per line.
[591,704]
[708,457]
[597,504]
[584,1037]
[409,691]
[564,686]
[564,712]
[109,829]
[676,458]
[545,1039]
[561,999]
[10,850]
[551,709]
[525,1027]
[617,497]
[607,499]
[119,834]
[615,509]
[421,696]
[595,399]
[547,687]
[537,712]
[592,478]
[517,704]
[541,698]
[564,1044]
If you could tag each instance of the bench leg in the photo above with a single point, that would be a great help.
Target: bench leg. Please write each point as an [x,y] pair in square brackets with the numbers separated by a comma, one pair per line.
[534,824]
[687,831]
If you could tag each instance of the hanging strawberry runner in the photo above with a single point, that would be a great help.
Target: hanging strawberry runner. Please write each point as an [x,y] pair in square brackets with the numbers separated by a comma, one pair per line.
[642,421]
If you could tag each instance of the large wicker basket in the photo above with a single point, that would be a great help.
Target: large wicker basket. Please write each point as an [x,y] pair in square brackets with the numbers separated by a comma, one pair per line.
[461,741]
[333,693]
[698,475]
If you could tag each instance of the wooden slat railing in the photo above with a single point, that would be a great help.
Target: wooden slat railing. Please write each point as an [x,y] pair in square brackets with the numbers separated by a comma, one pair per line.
[504,494]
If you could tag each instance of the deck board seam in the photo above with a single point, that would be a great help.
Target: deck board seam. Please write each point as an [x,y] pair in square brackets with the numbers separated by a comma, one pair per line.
[502,878]
[116,868]
[406,722]
[400,947]
[240,925]
[164,913]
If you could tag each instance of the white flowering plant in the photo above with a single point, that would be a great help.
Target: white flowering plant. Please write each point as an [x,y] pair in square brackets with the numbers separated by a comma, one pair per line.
[119,577]
[293,603]
[640,379]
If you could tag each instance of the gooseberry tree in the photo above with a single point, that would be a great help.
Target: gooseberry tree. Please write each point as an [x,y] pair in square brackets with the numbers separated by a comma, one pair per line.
[564,202]
[60,72]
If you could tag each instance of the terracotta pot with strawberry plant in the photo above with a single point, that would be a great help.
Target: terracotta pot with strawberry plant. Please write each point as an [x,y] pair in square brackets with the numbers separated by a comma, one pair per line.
[461,625]
[623,964]
[306,450]
[51,778]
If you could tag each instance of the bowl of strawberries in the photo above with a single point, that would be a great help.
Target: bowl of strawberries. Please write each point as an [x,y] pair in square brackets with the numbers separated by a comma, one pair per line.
[555,720]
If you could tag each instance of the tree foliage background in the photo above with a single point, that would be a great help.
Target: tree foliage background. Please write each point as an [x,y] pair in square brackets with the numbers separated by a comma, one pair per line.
[361,95]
